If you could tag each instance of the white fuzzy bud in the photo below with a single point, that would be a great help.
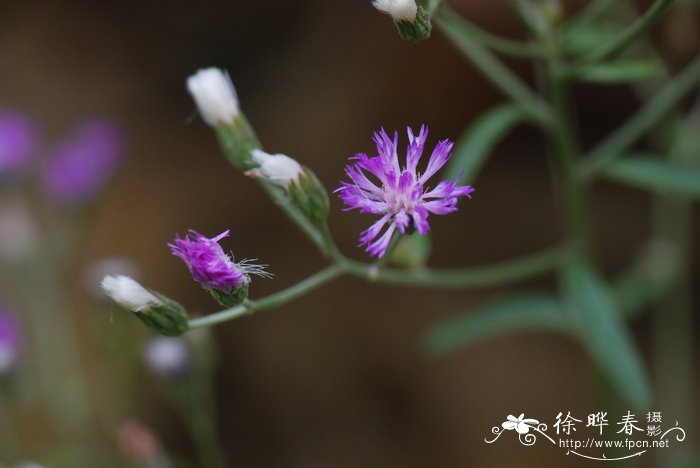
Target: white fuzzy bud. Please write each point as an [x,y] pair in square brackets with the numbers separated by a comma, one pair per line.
[129,294]
[215,96]
[400,10]
[279,169]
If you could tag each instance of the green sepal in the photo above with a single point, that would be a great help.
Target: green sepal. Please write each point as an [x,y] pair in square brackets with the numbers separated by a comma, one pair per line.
[237,139]
[418,30]
[308,194]
[169,318]
[236,297]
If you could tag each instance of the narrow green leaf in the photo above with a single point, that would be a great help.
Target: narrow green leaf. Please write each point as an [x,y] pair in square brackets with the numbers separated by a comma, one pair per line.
[603,332]
[477,142]
[620,71]
[656,175]
[524,312]
[586,37]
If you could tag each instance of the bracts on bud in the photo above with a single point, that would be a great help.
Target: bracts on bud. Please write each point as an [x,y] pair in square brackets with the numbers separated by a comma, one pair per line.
[157,311]
[412,20]
[301,185]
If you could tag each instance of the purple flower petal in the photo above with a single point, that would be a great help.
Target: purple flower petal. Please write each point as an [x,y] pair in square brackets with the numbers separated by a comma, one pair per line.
[18,142]
[210,265]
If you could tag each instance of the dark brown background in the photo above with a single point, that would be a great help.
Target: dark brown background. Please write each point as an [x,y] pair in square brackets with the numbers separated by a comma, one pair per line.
[335,379]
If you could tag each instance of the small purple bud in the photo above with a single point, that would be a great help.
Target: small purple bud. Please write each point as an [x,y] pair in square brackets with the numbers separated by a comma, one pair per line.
[9,343]
[18,142]
[79,168]
[167,357]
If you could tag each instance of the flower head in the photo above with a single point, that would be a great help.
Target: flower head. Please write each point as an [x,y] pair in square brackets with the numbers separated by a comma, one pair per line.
[279,169]
[380,185]
[210,265]
[215,96]
[400,10]
[79,168]
[129,294]
[9,343]
[18,141]
[520,424]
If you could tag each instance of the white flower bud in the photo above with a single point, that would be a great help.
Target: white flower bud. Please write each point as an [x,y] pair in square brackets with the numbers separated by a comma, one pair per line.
[279,169]
[400,10]
[215,96]
[129,294]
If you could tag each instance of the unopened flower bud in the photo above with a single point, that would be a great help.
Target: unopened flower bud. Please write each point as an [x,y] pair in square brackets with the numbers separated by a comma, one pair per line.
[217,102]
[300,183]
[279,169]
[412,20]
[158,312]
[215,96]
[411,251]
[400,10]
[167,357]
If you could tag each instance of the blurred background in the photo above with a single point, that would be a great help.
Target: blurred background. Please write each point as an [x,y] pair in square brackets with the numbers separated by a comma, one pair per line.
[337,378]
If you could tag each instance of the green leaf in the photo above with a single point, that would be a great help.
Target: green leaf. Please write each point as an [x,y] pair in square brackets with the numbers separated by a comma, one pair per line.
[603,333]
[656,175]
[620,71]
[524,312]
[478,141]
[584,38]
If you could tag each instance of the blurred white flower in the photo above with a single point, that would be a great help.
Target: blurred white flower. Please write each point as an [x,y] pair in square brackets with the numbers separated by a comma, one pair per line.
[167,357]
[215,96]
[19,235]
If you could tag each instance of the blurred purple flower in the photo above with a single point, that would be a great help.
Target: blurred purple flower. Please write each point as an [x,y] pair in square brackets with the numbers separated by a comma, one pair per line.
[18,141]
[210,265]
[380,185]
[9,343]
[79,168]
[167,357]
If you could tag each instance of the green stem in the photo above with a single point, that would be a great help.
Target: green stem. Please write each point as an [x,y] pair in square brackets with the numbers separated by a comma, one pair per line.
[505,46]
[504,79]
[637,28]
[565,149]
[648,116]
[498,273]
[273,300]
[589,15]
[281,199]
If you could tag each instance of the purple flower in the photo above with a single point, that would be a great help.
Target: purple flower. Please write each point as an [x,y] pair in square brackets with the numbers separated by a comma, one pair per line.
[379,185]
[9,343]
[80,167]
[210,265]
[18,141]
